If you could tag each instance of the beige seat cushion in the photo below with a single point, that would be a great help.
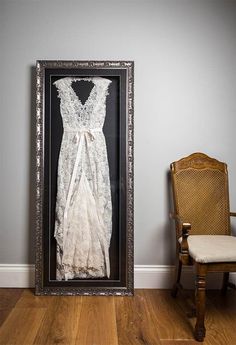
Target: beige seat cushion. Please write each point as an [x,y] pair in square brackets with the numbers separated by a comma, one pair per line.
[212,248]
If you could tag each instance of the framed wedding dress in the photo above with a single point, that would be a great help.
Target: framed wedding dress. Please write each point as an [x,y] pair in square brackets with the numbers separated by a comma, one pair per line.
[84,163]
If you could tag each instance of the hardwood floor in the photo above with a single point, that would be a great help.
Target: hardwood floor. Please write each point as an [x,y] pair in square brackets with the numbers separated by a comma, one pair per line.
[151,317]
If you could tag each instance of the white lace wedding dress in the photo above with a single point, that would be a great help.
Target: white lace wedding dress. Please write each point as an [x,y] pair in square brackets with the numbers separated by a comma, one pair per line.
[83,221]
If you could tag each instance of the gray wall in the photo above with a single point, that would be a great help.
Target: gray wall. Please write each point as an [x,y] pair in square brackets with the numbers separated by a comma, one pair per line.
[185,99]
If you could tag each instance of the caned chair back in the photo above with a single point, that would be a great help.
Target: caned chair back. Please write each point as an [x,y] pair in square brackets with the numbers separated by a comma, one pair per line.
[201,197]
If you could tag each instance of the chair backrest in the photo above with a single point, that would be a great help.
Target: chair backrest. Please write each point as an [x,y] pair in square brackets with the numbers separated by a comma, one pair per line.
[201,196]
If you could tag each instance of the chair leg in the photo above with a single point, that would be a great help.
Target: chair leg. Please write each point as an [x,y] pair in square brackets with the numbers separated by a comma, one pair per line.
[177,279]
[200,294]
[225,283]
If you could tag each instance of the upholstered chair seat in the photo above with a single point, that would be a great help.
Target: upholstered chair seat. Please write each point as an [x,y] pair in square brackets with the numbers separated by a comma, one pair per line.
[212,248]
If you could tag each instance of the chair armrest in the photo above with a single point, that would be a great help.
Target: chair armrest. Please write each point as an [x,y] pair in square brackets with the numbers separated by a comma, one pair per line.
[232,214]
[185,228]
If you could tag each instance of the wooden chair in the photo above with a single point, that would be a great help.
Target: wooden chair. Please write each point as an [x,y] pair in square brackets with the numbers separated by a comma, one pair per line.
[202,215]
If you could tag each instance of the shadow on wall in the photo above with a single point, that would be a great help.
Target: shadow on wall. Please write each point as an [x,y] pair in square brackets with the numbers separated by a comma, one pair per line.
[169,227]
[233,223]
[32,170]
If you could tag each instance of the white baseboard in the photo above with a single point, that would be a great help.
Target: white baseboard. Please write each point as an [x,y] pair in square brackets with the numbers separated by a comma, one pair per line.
[17,275]
[162,277]
[145,276]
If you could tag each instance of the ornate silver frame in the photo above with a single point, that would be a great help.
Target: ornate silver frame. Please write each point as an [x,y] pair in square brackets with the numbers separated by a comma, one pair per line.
[41,65]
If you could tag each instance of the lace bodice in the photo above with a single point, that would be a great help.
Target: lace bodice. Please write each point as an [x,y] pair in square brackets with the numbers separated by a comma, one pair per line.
[91,114]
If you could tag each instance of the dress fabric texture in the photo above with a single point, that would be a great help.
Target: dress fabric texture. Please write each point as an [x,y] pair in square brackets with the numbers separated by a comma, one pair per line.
[83,222]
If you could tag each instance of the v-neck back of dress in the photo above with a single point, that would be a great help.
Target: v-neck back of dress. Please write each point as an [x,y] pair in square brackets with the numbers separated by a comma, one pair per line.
[90,94]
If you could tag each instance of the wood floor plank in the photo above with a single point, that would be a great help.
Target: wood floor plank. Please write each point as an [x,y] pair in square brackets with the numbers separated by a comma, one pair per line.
[135,322]
[180,342]
[220,320]
[21,326]
[97,324]
[45,328]
[9,297]
[151,317]
[29,300]
[4,314]
[61,322]
[170,319]
[218,330]
[219,324]
[225,303]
